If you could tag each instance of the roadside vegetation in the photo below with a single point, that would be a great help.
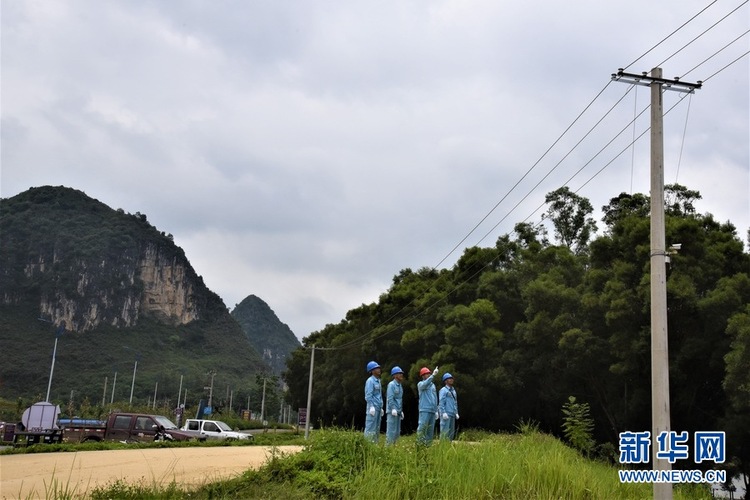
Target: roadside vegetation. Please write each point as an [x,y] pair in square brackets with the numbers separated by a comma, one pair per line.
[341,464]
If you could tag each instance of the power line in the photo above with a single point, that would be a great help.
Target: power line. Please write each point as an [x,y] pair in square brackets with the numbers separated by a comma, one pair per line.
[715,54]
[434,268]
[725,67]
[422,310]
[668,36]
[684,133]
[703,33]
[523,176]
[558,164]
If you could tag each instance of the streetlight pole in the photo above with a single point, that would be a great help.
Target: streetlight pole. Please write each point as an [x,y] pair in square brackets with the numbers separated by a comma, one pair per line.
[132,384]
[211,390]
[60,330]
[51,370]
[112,398]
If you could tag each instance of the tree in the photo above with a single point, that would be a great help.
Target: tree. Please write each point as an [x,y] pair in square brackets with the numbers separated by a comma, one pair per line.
[570,216]
[678,200]
[625,205]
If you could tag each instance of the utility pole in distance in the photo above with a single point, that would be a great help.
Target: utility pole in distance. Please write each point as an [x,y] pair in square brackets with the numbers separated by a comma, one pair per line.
[660,416]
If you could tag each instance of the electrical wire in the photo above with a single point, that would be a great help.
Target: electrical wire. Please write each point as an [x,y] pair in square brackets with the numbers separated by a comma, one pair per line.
[416,314]
[632,154]
[395,315]
[610,161]
[558,163]
[684,133]
[522,177]
[725,67]
[668,36]
[715,54]
[703,33]
[434,268]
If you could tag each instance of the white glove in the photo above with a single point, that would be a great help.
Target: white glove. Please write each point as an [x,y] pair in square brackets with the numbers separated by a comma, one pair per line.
[372,411]
[437,415]
[435,371]
[394,412]
[402,415]
[457,416]
[382,412]
[445,416]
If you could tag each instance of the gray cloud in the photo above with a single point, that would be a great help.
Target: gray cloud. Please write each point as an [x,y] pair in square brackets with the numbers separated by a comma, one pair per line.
[305,153]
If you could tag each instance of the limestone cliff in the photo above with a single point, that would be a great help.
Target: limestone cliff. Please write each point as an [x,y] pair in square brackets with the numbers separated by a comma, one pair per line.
[89,265]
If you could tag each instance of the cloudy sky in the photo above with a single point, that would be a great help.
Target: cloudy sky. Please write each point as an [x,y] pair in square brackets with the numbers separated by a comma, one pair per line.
[306,152]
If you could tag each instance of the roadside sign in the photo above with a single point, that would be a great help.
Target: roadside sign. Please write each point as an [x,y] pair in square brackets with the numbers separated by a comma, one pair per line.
[302,417]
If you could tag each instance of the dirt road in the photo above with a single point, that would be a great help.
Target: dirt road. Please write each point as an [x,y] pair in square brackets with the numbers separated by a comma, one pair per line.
[38,475]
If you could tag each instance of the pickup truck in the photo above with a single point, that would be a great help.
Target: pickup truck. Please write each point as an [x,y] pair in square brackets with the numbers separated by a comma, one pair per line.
[125,427]
[213,429]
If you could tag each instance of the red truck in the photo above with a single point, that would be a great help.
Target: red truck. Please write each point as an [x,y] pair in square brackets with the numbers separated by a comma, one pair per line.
[127,428]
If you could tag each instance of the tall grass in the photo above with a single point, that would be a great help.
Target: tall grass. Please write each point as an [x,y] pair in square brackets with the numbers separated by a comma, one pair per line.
[341,464]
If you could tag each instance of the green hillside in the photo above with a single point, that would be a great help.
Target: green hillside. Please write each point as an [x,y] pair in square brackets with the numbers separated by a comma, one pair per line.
[273,339]
[67,259]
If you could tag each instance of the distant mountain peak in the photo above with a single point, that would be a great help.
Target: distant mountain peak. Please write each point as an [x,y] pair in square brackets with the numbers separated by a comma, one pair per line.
[270,337]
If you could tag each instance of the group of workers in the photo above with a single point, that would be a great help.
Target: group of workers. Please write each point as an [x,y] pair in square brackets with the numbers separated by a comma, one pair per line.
[432,406]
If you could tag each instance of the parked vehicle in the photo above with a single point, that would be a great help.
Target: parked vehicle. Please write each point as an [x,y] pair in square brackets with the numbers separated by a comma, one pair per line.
[38,425]
[213,429]
[126,427]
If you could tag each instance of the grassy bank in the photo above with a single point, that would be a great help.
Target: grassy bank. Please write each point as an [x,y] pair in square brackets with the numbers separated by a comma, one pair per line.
[341,464]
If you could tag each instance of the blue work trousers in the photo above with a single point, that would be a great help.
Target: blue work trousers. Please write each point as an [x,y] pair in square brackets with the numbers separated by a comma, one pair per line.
[448,428]
[372,426]
[392,428]
[426,427]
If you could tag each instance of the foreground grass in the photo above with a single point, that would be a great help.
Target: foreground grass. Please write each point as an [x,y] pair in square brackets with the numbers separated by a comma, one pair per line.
[341,464]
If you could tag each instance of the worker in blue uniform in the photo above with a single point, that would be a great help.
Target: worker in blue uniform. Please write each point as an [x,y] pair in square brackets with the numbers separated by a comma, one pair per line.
[448,409]
[394,406]
[374,400]
[427,406]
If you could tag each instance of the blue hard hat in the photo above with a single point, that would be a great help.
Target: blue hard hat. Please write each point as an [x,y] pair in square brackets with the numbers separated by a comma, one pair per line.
[446,376]
[396,369]
[372,365]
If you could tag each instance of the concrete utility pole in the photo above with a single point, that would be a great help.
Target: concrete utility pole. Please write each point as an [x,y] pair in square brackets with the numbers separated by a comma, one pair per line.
[263,403]
[114,382]
[309,393]
[132,384]
[104,394]
[660,415]
[211,389]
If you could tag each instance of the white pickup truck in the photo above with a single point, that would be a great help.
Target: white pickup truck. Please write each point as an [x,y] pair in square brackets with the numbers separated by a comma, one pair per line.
[213,429]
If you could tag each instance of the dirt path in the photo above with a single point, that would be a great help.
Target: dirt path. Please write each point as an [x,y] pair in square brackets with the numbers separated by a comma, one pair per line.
[38,475]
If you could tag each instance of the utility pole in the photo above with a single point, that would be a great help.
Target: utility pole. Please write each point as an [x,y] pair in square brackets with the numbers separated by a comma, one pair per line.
[263,403]
[179,393]
[211,389]
[60,331]
[104,394]
[660,414]
[132,384]
[309,393]
[114,382]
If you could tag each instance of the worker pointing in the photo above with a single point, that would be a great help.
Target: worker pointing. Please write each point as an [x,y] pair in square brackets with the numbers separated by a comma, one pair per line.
[427,406]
